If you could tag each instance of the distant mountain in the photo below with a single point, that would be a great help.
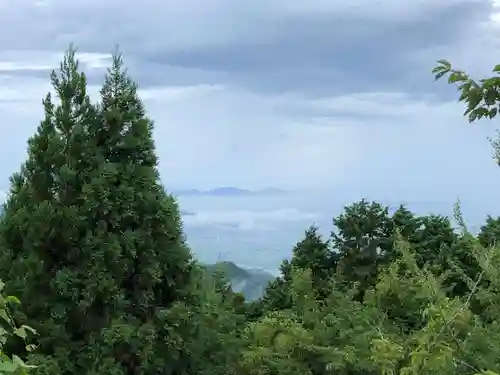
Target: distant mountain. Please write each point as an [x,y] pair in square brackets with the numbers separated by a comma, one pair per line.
[250,282]
[227,191]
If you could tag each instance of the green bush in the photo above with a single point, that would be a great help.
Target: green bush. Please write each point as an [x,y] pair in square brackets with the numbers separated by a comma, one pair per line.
[12,364]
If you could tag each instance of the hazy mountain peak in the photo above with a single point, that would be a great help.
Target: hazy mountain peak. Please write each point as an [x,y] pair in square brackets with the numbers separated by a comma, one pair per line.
[250,282]
[227,191]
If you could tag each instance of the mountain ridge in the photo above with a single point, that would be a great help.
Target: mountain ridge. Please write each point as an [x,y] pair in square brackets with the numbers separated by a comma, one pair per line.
[250,282]
[227,191]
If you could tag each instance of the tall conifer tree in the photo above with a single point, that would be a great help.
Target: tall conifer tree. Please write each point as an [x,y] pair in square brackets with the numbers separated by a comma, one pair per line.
[92,243]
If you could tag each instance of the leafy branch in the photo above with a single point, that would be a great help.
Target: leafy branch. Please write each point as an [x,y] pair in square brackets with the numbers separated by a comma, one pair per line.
[482,98]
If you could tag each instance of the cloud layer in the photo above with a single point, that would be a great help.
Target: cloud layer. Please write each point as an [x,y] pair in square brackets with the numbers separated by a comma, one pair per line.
[249,220]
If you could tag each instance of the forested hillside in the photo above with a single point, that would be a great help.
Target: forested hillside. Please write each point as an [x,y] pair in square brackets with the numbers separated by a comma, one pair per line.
[93,249]
[251,283]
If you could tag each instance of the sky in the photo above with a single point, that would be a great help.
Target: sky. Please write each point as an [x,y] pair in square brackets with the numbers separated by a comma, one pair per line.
[332,101]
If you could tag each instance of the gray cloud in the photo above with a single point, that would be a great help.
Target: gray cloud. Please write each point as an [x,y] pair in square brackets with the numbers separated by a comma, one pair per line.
[329,53]
[273,46]
[284,90]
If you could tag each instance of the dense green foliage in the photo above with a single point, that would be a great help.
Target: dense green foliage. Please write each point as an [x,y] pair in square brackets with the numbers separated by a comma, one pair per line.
[94,248]
[91,243]
[11,363]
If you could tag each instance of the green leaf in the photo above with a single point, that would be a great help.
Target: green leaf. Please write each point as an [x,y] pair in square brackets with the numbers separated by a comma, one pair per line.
[5,316]
[8,367]
[456,77]
[20,332]
[496,69]
[490,96]
[445,63]
[30,347]
[439,69]
[13,300]
[464,88]
[488,83]
[439,75]
[493,112]
[28,328]
[474,99]
[472,115]
[19,362]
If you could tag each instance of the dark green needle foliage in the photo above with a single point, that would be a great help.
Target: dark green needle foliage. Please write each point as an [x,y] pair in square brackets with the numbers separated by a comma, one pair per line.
[91,243]
[363,240]
[311,252]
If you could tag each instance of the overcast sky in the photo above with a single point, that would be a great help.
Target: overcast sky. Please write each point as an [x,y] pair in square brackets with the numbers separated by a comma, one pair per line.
[268,93]
[303,95]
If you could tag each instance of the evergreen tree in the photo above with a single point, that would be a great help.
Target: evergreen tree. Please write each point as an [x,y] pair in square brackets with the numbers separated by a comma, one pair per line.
[91,242]
[366,236]
[489,234]
[277,293]
[363,240]
[405,223]
[449,255]
[312,253]
[218,317]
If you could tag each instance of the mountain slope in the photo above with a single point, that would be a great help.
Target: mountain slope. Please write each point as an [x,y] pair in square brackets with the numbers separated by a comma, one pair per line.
[250,282]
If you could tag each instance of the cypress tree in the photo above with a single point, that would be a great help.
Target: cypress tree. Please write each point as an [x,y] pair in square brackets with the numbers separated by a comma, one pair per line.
[312,253]
[91,242]
[362,238]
